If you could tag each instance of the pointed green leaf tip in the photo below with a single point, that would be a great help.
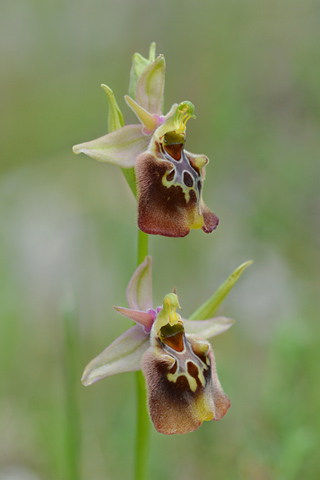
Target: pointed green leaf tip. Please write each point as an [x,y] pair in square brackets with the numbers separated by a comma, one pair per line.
[115,117]
[208,309]
[116,121]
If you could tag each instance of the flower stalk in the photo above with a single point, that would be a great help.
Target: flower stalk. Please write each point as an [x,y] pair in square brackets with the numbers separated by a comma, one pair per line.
[142,430]
[143,423]
[72,434]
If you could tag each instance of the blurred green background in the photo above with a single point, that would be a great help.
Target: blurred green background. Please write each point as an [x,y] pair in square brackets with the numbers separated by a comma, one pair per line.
[67,222]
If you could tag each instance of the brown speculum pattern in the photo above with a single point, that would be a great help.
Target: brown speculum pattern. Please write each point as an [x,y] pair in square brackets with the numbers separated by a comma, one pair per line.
[184,172]
[170,189]
[187,364]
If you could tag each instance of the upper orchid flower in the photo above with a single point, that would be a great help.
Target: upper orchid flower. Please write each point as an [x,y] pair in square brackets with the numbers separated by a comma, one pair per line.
[178,363]
[169,178]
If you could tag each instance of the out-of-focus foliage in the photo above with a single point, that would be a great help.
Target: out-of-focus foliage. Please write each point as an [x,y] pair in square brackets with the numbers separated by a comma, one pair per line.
[252,70]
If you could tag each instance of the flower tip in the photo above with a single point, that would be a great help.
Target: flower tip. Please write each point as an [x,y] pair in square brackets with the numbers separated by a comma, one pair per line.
[171,300]
[243,266]
[177,122]
[152,52]
[160,58]
[106,89]
[128,100]
[77,148]
[187,107]
[228,323]
[85,379]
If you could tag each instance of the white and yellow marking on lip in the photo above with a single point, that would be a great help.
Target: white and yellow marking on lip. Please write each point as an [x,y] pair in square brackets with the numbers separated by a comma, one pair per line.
[183,358]
[181,167]
[169,332]
[173,377]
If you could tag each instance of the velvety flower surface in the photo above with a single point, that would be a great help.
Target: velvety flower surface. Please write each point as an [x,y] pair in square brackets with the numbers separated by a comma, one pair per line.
[170,181]
[178,363]
[169,178]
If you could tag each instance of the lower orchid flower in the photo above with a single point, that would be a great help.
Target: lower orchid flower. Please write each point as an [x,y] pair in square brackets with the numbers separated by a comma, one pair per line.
[183,388]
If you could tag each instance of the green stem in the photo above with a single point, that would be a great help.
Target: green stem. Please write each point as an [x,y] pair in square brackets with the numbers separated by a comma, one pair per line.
[143,430]
[142,246]
[72,414]
[143,422]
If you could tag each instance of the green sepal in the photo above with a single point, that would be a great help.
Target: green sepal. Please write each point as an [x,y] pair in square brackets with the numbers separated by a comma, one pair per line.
[116,121]
[115,117]
[208,309]
[139,63]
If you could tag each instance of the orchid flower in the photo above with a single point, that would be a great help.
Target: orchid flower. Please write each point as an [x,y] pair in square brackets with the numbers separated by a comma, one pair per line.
[183,388]
[169,178]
